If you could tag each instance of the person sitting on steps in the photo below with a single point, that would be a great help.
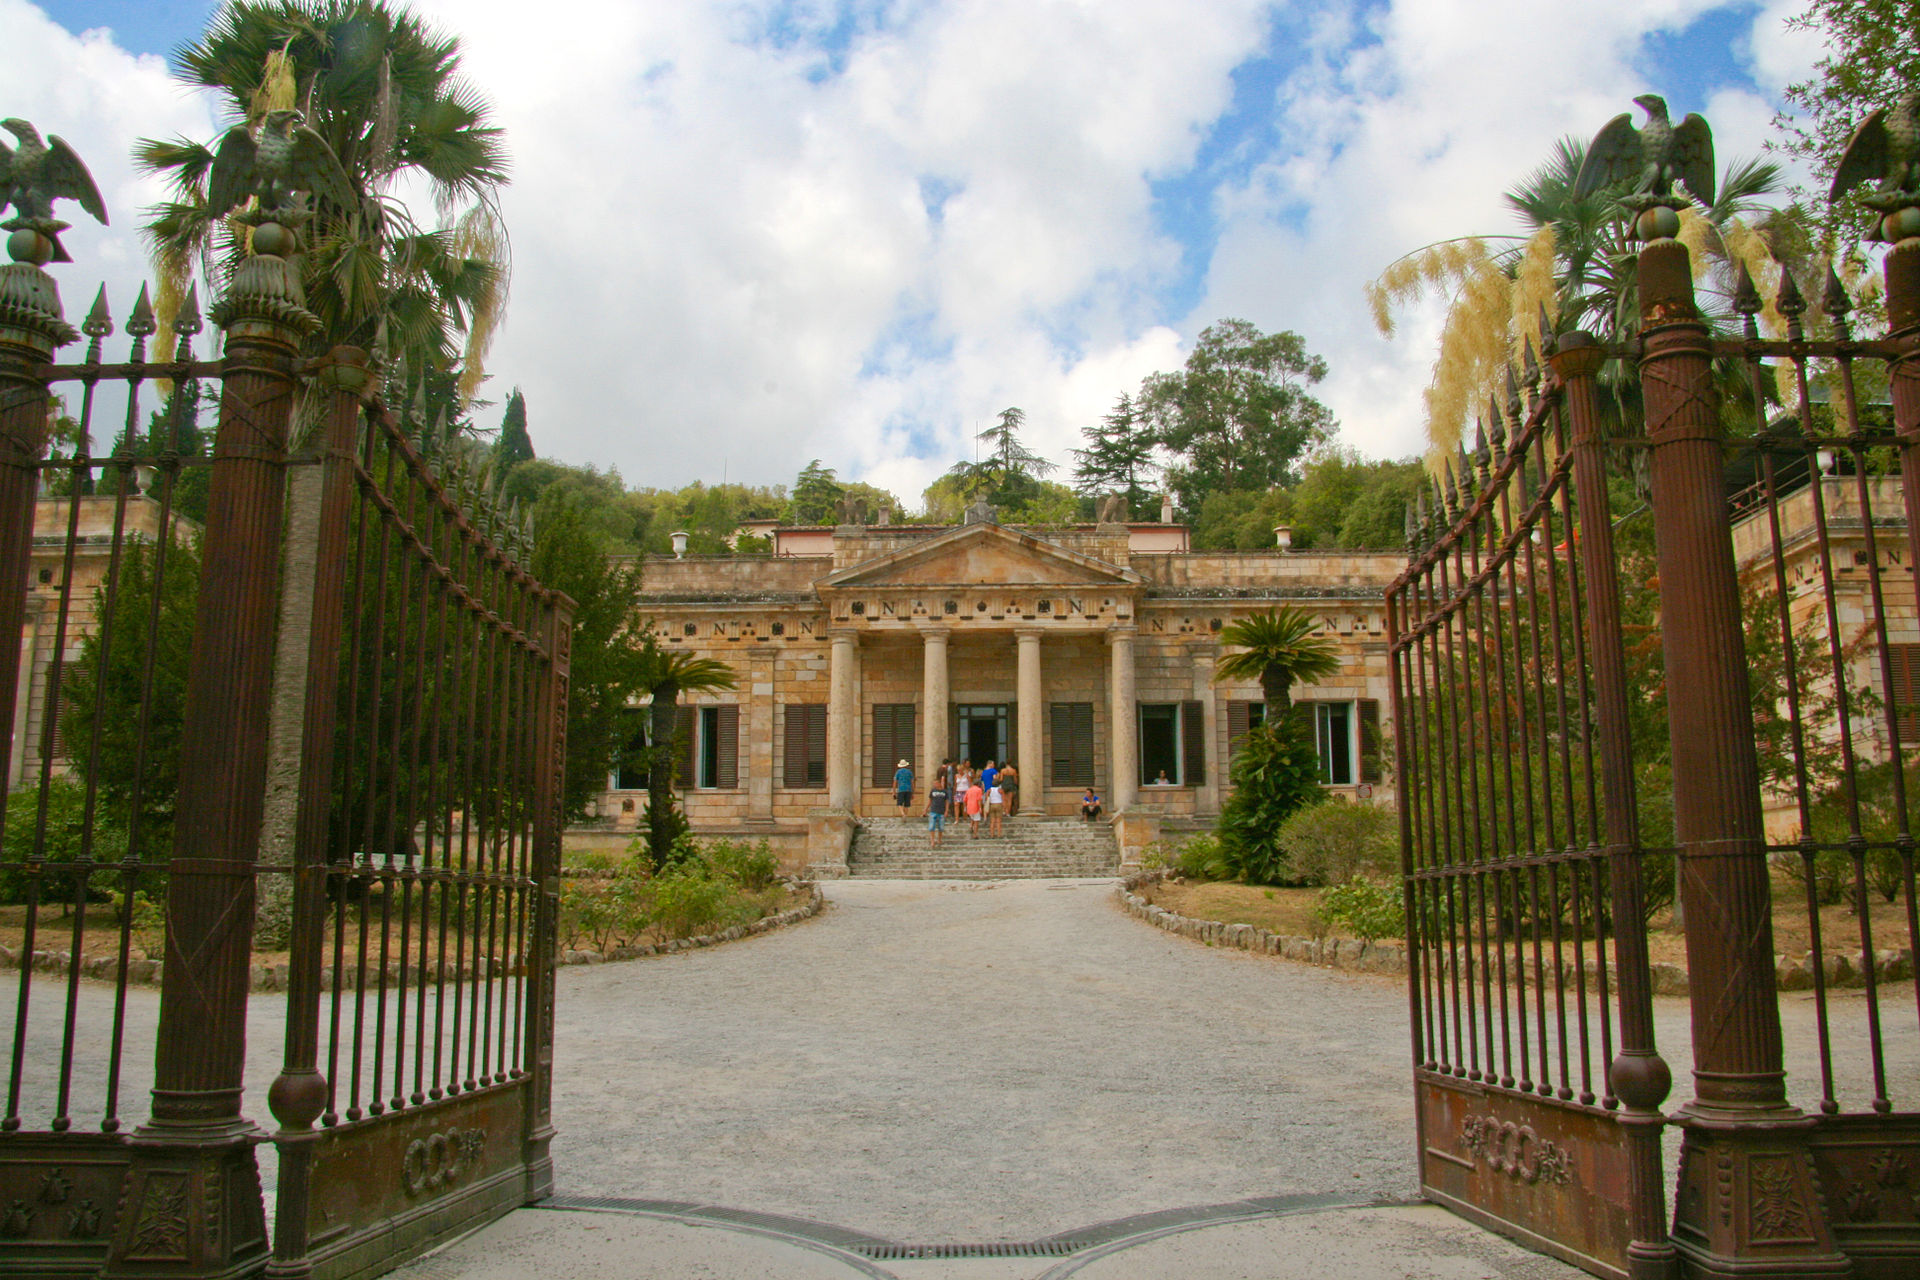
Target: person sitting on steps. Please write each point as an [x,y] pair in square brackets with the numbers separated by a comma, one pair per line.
[1090,805]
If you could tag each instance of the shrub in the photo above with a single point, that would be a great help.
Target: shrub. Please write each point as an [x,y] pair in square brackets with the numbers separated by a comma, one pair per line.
[66,809]
[752,866]
[1276,773]
[1202,857]
[1336,840]
[687,899]
[1366,908]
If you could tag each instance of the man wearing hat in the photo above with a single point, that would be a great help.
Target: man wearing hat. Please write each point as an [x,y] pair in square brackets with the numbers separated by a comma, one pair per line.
[903,787]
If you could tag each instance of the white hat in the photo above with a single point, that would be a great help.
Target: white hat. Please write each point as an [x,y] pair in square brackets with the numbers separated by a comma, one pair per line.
[901,765]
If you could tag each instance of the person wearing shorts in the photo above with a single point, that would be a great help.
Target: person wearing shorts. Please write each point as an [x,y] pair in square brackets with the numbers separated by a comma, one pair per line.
[936,812]
[1090,805]
[1010,788]
[976,801]
[903,787]
[996,807]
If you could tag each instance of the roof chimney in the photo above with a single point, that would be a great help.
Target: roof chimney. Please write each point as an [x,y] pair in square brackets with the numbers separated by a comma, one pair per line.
[1166,508]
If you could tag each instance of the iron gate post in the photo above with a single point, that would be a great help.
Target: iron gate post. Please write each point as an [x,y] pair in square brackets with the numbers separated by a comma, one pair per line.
[192,1205]
[549,798]
[1749,1199]
[1902,269]
[1638,1075]
[31,328]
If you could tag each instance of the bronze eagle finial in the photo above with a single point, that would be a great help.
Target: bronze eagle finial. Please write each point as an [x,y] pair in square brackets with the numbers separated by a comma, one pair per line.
[286,158]
[1655,156]
[36,174]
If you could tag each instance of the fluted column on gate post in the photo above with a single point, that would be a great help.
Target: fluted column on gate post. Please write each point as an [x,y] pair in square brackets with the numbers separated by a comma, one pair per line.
[191,1205]
[1748,1196]
[32,327]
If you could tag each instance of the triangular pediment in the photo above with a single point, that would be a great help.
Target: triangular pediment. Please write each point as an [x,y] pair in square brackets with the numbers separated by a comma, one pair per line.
[983,555]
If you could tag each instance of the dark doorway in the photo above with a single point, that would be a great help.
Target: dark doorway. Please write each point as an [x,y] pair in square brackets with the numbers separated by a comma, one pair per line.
[983,732]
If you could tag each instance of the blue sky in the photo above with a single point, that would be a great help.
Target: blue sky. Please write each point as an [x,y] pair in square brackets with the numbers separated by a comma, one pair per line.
[750,234]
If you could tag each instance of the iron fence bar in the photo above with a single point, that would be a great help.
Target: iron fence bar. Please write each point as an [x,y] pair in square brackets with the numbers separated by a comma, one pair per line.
[1902,275]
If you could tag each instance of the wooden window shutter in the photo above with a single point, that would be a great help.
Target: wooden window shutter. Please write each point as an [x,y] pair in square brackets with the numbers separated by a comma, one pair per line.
[1237,723]
[892,741]
[55,736]
[1070,753]
[1903,699]
[683,720]
[806,747]
[1193,744]
[727,774]
[1370,763]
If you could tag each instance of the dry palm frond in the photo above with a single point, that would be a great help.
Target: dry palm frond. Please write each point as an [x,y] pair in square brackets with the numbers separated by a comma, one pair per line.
[277,88]
[481,234]
[1474,347]
[174,276]
[1695,233]
[1451,262]
[1536,286]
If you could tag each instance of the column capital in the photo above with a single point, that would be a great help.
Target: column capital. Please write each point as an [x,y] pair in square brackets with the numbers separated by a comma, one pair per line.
[849,634]
[1120,632]
[933,630]
[1029,633]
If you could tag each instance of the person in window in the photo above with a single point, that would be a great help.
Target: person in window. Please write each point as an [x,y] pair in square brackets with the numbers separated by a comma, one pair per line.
[902,786]
[937,810]
[1090,805]
[1163,780]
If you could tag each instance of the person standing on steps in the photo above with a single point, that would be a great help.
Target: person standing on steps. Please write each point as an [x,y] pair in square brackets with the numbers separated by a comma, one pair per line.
[1010,788]
[937,810]
[976,801]
[988,776]
[996,806]
[903,787]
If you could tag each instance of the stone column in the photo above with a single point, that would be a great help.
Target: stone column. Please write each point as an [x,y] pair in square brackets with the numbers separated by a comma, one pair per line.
[843,722]
[764,660]
[1027,735]
[1206,793]
[1123,726]
[933,703]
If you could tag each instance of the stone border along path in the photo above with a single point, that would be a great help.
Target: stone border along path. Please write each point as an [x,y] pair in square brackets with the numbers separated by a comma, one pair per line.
[1793,973]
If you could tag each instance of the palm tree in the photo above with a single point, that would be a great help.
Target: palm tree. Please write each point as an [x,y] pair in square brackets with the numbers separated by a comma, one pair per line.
[1277,649]
[667,674]
[1575,260]
[382,88]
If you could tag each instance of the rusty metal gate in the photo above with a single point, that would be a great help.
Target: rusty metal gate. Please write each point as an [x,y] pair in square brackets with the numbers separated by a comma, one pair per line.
[1679,660]
[282,735]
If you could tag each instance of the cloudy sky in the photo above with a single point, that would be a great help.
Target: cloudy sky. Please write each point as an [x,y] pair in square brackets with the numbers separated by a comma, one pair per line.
[751,233]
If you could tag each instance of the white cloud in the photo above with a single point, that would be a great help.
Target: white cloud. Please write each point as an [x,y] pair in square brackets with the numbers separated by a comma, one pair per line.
[725,256]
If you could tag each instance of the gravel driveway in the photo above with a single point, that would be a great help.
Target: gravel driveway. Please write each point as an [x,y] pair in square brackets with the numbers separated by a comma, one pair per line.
[968,1063]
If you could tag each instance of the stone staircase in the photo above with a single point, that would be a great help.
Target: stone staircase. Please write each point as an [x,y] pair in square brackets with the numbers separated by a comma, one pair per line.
[1031,848]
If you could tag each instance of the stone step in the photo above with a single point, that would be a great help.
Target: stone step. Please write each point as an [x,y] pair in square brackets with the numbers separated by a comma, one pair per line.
[1028,848]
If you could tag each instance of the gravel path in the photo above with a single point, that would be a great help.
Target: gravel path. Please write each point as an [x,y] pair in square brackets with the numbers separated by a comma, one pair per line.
[933,1062]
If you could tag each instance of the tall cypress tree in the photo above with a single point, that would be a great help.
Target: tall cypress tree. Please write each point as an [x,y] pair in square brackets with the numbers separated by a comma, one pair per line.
[514,445]
[1118,457]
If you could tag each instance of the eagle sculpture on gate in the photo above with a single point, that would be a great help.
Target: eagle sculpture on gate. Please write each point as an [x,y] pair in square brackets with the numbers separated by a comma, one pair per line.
[36,174]
[1886,149]
[1655,156]
[285,158]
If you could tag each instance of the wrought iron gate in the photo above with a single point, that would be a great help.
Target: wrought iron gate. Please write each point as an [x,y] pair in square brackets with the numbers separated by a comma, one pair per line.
[1683,658]
[303,678]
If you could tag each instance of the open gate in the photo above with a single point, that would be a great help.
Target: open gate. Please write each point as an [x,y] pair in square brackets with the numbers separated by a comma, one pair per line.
[289,712]
[1632,662]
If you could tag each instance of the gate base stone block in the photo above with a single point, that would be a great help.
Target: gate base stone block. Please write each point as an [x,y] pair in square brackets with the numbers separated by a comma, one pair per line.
[1749,1200]
[829,839]
[190,1208]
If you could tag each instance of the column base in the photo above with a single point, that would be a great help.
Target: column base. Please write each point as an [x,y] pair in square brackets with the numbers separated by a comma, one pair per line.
[829,841]
[1749,1201]
[190,1207]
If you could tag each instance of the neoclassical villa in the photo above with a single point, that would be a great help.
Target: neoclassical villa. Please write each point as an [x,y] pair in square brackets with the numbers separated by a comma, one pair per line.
[1084,654]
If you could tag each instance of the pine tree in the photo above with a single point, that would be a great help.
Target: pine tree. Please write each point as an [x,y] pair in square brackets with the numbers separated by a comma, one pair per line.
[1118,456]
[514,445]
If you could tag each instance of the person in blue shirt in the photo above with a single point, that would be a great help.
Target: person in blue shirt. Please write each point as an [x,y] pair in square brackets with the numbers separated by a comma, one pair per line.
[987,776]
[1090,805]
[937,811]
[903,787]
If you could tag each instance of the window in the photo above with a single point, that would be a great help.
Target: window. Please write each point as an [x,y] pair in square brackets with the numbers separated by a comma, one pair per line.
[804,767]
[1070,752]
[892,741]
[1172,744]
[1346,735]
[1903,699]
[707,747]
[1242,716]
[630,768]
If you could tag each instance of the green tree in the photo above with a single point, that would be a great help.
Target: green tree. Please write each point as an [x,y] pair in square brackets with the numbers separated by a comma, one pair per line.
[1277,648]
[668,673]
[1011,475]
[609,653]
[383,89]
[128,688]
[514,446]
[1343,500]
[1871,60]
[1240,415]
[816,495]
[1119,458]
[1275,775]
